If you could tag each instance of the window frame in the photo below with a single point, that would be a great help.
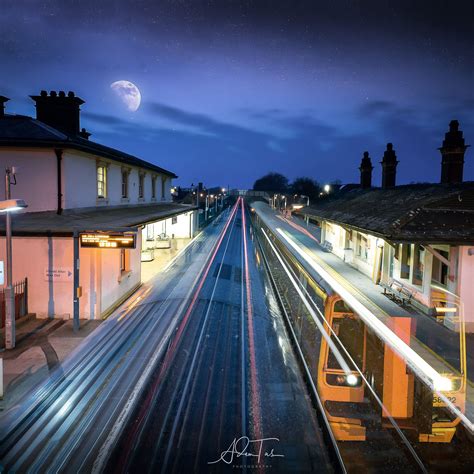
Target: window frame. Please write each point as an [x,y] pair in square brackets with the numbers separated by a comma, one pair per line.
[141,185]
[103,181]
[125,183]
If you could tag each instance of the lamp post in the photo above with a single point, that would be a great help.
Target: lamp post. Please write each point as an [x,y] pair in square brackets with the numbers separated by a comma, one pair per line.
[8,206]
[206,207]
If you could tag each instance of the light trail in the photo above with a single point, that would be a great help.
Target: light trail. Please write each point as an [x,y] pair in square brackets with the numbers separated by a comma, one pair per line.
[298,227]
[191,370]
[367,384]
[428,374]
[116,430]
[253,364]
[343,364]
[134,303]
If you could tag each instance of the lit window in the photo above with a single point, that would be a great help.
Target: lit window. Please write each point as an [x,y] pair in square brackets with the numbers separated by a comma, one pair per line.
[153,187]
[141,186]
[124,184]
[101,181]
[362,247]
[150,232]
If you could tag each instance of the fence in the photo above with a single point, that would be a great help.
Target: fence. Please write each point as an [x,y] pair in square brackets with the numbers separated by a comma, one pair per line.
[21,300]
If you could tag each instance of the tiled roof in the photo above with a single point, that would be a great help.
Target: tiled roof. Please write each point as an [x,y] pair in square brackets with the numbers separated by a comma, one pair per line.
[20,130]
[415,212]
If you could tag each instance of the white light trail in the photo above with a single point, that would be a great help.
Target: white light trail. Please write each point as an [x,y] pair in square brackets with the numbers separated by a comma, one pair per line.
[424,370]
[334,349]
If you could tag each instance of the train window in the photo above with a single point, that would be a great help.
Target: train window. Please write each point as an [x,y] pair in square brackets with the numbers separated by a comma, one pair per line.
[350,332]
[340,306]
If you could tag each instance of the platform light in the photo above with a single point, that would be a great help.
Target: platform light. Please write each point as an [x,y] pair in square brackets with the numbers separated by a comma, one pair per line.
[11,205]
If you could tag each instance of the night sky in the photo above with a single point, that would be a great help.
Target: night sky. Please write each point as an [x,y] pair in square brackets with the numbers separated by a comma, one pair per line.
[234,89]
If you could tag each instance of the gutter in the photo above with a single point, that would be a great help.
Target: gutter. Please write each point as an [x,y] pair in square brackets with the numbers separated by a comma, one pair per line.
[59,158]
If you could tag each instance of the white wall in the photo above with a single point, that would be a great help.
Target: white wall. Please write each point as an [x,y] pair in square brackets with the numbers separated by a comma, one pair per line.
[100,277]
[36,178]
[80,182]
[183,228]
[466,284]
[32,256]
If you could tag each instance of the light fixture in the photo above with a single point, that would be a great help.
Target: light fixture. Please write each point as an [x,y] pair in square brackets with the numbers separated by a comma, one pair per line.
[12,205]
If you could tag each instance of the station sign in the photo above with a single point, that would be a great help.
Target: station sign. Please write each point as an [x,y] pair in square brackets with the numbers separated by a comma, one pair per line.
[111,240]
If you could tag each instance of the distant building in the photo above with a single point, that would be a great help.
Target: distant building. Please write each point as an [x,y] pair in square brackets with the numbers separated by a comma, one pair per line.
[417,239]
[73,186]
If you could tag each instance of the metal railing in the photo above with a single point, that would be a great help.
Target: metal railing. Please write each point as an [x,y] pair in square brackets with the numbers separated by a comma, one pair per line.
[20,290]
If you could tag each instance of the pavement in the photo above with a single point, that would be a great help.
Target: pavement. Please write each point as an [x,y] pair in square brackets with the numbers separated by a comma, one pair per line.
[42,345]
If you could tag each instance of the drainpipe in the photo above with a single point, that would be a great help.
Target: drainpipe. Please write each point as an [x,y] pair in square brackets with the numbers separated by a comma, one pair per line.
[59,158]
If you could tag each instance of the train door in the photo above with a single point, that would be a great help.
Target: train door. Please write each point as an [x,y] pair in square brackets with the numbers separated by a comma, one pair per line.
[342,394]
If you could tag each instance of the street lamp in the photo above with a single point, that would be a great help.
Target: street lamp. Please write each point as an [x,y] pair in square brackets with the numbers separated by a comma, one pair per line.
[8,206]
[327,188]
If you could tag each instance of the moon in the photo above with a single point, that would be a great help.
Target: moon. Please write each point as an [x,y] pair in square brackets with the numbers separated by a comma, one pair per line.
[128,93]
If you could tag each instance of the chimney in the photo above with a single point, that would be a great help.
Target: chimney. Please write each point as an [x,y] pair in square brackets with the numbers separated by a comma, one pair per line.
[452,152]
[59,111]
[366,171]
[389,167]
[3,99]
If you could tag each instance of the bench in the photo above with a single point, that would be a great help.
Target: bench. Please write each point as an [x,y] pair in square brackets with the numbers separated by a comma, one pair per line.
[327,246]
[397,290]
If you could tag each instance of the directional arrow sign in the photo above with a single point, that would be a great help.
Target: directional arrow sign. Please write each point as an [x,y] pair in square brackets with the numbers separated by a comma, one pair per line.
[60,274]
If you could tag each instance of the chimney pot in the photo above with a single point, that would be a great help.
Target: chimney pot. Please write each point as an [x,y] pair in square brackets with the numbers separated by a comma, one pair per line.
[3,99]
[70,94]
[62,114]
[389,167]
[366,171]
[452,153]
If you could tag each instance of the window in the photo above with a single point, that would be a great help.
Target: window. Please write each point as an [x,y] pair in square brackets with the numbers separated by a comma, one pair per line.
[124,260]
[440,269]
[101,181]
[163,187]
[174,220]
[362,246]
[124,184]
[141,186]
[153,187]
[418,265]
[150,232]
[405,261]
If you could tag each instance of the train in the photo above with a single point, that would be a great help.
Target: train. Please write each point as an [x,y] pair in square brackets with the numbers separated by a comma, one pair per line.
[379,389]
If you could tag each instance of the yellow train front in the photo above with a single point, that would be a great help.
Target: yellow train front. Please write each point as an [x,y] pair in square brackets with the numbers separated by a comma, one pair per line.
[402,398]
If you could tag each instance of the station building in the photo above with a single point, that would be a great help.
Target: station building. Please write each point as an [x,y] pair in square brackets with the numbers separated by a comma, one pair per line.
[416,240]
[93,211]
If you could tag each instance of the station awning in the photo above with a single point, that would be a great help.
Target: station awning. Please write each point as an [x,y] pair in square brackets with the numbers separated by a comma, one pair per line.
[117,218]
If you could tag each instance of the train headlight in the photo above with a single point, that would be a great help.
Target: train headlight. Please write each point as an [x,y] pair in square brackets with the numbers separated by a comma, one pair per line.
[351,379]
[443,384]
